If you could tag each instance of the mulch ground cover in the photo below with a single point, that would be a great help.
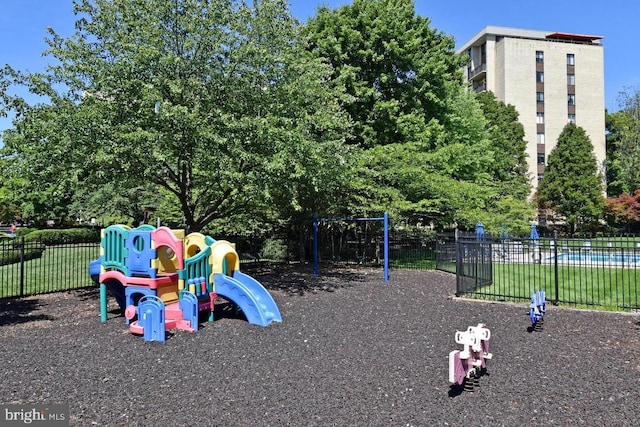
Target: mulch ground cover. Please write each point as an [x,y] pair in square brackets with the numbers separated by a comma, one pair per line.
[352,351]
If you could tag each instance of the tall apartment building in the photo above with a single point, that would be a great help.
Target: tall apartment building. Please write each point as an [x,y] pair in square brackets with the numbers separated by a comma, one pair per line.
[550,78]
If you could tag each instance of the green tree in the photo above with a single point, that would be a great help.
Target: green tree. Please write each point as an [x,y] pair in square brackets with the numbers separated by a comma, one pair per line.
[28,200]
[10,210]
[507,142]
[623,145]
[514,214]
[572,186]
[426,154]
[9,202]
[399,71]
[443,186]
[212,102]
[132,206]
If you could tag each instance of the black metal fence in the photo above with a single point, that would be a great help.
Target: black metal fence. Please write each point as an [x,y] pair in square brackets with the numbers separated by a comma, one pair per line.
[587,272]
[413,250]
[446,252]
[474,267]
[361,243]
[30,267]
[349,243]
[599,272]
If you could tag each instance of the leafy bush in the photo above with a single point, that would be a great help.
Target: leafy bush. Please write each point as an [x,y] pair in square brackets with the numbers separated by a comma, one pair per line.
[61,236]
[31,250]
[23,231]
[425,235]
[275,250]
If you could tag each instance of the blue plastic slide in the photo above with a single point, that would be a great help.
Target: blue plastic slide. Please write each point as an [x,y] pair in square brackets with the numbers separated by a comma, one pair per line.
[248,294]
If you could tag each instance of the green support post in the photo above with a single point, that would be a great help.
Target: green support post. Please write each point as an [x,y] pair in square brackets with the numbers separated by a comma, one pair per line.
[103,302]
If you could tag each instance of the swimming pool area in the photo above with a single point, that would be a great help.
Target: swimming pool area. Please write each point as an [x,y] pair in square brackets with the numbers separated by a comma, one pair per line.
[598,257]
[547,253]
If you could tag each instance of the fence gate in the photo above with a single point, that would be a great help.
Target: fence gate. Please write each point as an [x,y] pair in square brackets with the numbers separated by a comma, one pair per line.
[473,263]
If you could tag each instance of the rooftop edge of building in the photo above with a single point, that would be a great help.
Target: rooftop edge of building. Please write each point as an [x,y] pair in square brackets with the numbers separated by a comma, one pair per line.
[527,34]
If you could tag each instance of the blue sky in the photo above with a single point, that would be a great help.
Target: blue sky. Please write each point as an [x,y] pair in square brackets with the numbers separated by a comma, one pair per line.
[23,23]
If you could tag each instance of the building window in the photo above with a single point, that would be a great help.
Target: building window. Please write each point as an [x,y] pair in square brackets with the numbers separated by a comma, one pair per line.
[571,99]
[540,176]
[540,96]
[540,118]
[539,77]
[571,79]
[539,56]
[571,118]
[540,138]
[541,158]
[571,59]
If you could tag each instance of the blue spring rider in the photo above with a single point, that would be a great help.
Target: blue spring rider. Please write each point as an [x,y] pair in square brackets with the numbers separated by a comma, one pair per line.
[537,309]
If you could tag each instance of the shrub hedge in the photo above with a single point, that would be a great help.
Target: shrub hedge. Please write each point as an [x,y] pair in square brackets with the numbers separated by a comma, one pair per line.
[55,236]
[23,231]
[12,253]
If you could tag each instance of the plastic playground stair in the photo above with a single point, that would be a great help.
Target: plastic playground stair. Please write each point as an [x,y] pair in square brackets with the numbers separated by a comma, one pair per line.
[175,318]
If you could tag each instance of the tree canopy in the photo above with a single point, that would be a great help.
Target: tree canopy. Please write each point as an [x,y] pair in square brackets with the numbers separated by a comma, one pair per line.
[213,102]
[428,156]
[509,170]
[623,145]
[228,115]
[623,211]
[572,186]
[399,71]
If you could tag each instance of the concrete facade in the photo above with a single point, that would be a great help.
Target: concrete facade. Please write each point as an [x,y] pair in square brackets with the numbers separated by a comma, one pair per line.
[550,78]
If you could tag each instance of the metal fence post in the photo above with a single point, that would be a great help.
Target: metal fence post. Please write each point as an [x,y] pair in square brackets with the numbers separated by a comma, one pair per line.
[22,266]
[555,266]
[386,246]
[315,245]
[458,265]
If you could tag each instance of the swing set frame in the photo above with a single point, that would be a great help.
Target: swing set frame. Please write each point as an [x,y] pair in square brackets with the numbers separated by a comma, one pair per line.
[384,218]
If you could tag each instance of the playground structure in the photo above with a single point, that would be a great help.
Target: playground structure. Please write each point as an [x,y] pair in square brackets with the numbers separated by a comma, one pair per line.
[537,309]
[466,366]
[163,279]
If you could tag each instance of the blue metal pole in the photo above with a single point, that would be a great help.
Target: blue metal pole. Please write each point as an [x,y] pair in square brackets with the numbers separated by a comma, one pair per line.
[315,245]
[386,247]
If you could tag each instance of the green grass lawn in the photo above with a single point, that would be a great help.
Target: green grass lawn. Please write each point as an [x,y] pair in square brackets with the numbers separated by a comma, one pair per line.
[59,268]
[413,264]
[593,287]
[420,258]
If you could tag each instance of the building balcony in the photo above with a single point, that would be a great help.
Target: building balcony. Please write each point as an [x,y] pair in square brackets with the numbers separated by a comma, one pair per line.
[478,72]
[479,86]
